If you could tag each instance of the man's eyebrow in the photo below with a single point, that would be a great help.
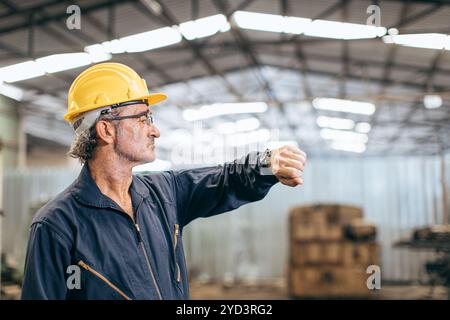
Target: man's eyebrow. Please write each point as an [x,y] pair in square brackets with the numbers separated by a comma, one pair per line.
[147,113]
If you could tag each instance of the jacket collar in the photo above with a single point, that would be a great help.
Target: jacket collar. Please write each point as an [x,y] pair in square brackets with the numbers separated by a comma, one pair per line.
[86,190]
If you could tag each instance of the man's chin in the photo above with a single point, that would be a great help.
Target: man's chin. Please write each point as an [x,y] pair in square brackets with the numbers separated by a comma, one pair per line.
[149,158]
[143,161]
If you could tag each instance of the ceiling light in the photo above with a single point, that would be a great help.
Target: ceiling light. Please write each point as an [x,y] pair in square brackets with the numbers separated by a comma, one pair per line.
[343,30]
[363,127]
[247,124]
[97,53]
[432,101]
[420,40]
[335,123]
[331,134]
[21,71]
[226,128]
[259,21]
[270,22]
[393,31]
[341,105]
[11,91]
[356,147]
[204,27]
[65,61]
[238,126]
[114,46]
[151,39]
[219,109]
[295,25]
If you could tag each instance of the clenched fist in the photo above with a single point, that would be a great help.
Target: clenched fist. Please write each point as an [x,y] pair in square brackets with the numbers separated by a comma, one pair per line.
[287,164]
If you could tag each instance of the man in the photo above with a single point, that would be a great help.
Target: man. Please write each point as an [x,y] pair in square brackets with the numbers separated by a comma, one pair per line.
[112,235]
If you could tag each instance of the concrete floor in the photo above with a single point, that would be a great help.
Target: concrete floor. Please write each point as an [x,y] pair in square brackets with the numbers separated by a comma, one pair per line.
[276,290]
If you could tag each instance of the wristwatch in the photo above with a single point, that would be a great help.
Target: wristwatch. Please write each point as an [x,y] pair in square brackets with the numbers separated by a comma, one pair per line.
[265,158]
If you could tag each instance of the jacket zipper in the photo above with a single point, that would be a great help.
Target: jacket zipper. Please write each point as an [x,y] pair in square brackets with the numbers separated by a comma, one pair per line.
[101,277]
[141,243]
[175,241]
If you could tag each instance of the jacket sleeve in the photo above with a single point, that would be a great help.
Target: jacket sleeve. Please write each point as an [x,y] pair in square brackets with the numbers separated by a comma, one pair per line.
[46,262]
[205,192]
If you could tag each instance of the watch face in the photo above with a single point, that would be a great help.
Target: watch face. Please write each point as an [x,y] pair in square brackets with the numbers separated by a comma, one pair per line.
[265,157]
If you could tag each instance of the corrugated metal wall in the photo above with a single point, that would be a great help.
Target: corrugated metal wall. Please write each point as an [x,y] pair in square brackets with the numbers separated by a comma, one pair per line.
[23,189]
[397,194]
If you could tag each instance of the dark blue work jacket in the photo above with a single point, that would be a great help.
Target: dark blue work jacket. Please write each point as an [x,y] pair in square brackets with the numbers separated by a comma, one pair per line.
[82,245]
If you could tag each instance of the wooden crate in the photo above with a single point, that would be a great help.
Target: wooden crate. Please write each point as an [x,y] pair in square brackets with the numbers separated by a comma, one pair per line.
[316,253]
[360,230]
[345,253]
[307,232]
[349,213]
[361,254]
[328,282]
[324,214]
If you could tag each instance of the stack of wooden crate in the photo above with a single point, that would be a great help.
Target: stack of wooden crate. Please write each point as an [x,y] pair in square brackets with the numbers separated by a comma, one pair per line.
[330,250]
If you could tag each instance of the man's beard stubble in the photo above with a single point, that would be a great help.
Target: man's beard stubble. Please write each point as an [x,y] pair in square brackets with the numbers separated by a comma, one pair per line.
[122,152]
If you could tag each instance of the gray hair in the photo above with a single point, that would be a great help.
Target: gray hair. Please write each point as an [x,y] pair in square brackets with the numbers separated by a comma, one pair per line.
[83,146]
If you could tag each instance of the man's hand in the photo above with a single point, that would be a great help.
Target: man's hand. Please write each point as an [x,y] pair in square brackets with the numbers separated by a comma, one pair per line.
[287,164]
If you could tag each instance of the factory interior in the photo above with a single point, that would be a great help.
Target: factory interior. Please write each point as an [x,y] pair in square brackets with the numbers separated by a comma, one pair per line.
[361,86]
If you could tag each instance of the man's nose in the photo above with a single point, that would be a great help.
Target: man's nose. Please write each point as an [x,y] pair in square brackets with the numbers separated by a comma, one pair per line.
[154,131]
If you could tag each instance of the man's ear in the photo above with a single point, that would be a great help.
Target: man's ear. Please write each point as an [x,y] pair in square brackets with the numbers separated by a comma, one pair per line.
[105,131]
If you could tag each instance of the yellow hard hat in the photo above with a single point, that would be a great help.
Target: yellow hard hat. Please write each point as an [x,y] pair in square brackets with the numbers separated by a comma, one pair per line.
[107,84]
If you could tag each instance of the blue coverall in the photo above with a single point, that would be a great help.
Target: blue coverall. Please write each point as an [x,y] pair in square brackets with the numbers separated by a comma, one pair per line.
[121,258]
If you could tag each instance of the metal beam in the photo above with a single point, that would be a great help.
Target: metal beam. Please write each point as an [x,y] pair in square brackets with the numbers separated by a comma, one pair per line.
[249,54]
[15,11]
[429,82]
[194,9]
[229,47]
[442,2]
[240,6]
[109,31]
[301,57]
[390,60]
[404,21]
[56,17]
[350,76]
[253,60]
[406,83]
[328,11]
[30,17]
[168,18]
[18,53]
[307,92]
[345,55]
[8,4]
[427,85]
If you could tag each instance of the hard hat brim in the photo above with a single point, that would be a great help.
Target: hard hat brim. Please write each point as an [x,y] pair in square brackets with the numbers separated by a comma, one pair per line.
[155,98]
[152,99]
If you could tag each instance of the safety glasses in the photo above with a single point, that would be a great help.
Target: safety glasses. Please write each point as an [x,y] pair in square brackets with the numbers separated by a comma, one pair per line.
[148,117]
